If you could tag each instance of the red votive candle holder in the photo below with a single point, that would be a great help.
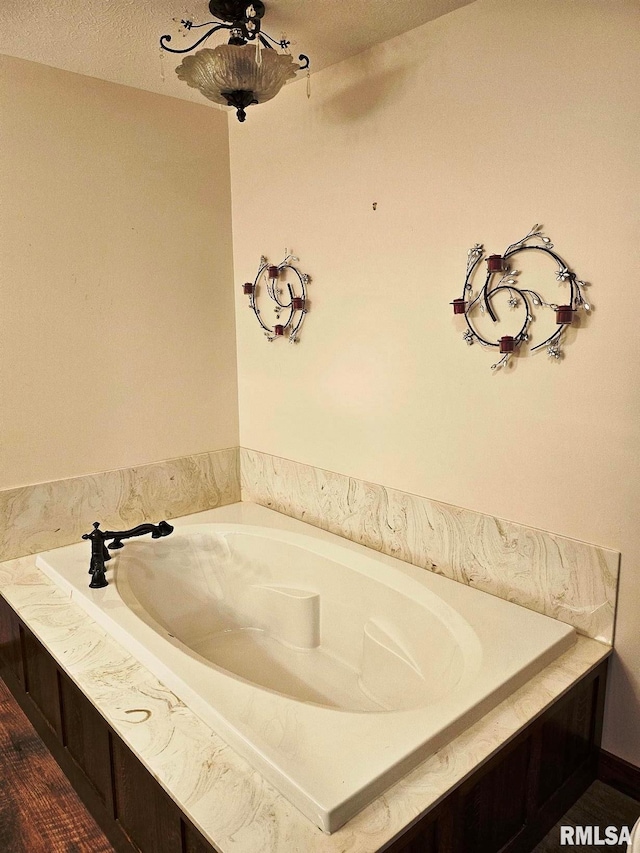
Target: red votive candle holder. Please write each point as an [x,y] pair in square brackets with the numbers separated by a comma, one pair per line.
[495,263]
[297,303]
[248,287]
[273,271]
[507,344]
[564,315]
[459,306]
[278,331]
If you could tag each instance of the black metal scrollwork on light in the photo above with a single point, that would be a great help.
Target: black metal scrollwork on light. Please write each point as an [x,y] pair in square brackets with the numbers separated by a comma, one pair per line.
[500,265]
[289,313]
[243,17]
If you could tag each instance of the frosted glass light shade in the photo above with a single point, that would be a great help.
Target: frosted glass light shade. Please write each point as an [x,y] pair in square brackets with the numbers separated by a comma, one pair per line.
[230,67]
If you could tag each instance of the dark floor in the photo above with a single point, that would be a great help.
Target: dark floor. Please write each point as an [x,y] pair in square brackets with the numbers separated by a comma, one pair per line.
[599,806]
[41,813]
[39,810]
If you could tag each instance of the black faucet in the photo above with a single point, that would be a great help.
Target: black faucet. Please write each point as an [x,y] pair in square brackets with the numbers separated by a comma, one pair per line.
[99,553]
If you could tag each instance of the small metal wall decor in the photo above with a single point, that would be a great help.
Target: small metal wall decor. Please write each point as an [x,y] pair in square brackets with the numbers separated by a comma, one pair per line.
[500,265]
[291,307]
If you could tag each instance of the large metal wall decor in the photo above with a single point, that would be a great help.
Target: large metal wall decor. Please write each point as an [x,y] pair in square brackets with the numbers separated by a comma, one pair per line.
[502,278]
[289,308]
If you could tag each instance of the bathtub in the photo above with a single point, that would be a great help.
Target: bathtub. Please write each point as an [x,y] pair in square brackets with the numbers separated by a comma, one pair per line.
[332,669]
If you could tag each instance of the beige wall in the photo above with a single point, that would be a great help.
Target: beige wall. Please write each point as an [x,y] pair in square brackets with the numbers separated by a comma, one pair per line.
[469,129]
[117,342]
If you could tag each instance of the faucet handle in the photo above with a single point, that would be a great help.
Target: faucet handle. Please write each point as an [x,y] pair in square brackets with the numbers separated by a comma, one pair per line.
[163,528]
[96,525]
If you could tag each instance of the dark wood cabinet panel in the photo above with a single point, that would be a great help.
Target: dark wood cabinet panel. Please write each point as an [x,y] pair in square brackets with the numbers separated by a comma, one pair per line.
[150,819]
[41,676]
[10,641]
[193,841]
[494,809]
[567,736]
[86,736]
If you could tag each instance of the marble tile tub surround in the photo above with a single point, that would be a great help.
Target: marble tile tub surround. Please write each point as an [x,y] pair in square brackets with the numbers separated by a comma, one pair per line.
[560,577]
[564,578]
[49,515]
[222,795]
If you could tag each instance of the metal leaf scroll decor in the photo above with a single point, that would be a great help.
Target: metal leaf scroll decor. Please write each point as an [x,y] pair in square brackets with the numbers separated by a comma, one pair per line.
[286,287]
[503,279]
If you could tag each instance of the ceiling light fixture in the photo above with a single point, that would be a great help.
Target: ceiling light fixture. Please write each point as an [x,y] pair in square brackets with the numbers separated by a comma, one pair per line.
[237,74]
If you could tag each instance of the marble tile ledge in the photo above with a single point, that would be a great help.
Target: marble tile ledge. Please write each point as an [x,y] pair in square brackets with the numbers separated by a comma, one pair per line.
[49,515]
[223,796]
[564,578]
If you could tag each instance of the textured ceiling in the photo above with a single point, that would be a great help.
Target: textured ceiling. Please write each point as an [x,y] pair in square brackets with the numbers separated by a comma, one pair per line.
[117,40]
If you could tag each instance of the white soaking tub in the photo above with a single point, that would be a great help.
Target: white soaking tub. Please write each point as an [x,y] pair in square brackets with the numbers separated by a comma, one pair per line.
[331,668]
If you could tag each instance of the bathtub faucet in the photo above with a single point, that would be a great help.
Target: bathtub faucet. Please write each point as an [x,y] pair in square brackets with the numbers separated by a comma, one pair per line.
[99,553]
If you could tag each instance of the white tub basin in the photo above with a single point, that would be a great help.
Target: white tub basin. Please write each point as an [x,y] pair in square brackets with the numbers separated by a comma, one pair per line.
[329,667]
